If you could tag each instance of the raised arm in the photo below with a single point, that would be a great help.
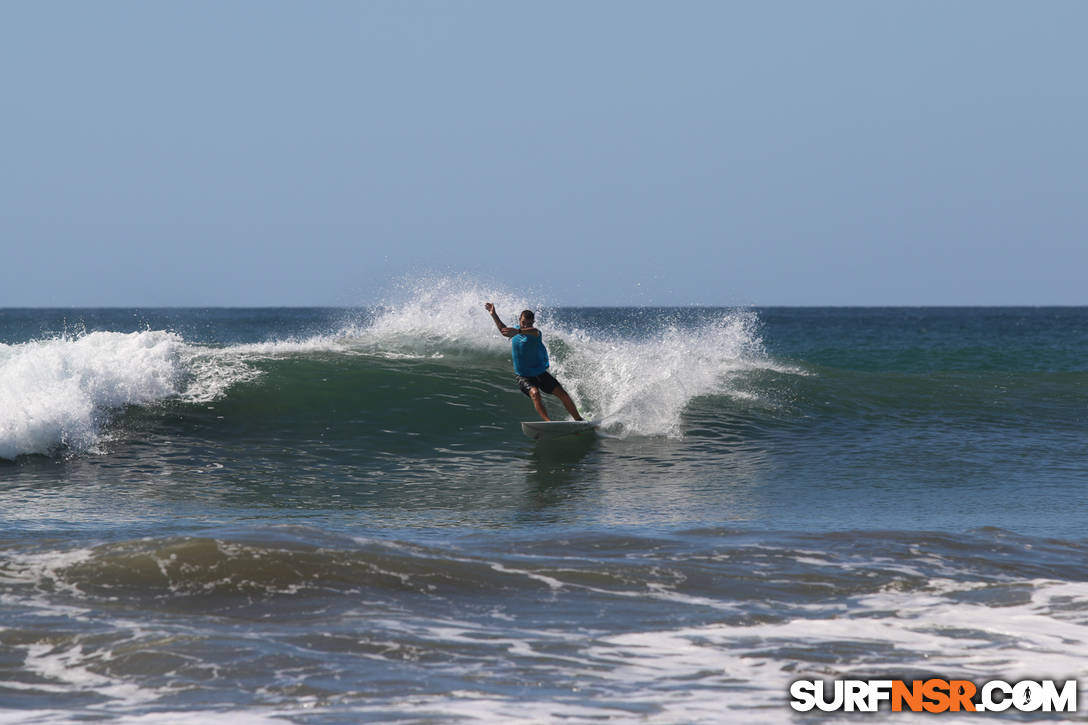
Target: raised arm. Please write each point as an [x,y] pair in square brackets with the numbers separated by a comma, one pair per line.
[506,331]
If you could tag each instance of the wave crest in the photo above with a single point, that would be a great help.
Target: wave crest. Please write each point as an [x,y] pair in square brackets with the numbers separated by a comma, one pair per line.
[641,386]
[635,374]
[58,392]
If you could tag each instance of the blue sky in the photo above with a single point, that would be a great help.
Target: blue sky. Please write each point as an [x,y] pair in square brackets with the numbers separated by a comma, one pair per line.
[764,153]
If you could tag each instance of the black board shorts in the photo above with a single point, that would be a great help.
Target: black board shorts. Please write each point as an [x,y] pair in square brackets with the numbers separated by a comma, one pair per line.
[544,381]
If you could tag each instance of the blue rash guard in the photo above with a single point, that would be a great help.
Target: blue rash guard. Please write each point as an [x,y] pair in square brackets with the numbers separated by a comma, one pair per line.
[530,355]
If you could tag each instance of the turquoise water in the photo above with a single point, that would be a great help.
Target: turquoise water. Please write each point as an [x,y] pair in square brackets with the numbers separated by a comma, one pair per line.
[330,515]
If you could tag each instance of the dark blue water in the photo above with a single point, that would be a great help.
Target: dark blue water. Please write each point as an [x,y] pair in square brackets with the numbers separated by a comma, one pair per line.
[331,515]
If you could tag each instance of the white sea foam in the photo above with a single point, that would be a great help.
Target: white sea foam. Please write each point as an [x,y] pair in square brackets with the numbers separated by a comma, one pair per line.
[193,717]
[720,672]
[706,672]
[58,392]
[66,670]
[742,672]
[641,386]
[635,385]
[439,315]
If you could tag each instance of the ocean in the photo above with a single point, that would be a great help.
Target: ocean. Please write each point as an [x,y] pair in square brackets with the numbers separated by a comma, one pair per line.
[332,516]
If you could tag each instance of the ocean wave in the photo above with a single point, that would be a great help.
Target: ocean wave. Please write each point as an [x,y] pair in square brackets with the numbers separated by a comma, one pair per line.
[642,386]
[636,382]
[62,393]
[58,392]
[688,625]
[716,568]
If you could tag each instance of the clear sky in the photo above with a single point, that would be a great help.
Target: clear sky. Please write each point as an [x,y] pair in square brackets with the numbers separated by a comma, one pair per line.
[256,152]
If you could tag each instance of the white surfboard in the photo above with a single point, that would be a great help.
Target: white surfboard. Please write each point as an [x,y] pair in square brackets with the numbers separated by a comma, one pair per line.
[540,430]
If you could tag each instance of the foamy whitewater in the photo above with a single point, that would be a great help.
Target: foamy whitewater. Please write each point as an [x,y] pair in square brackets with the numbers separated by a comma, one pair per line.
[331,515]
[61,393]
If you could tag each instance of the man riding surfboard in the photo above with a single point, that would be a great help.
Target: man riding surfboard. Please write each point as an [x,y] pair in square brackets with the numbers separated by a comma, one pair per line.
[531,362]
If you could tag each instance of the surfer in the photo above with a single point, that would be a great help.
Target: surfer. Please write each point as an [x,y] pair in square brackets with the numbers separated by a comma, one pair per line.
[531,362]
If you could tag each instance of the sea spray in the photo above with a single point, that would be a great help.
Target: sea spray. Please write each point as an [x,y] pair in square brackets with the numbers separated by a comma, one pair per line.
[635,384]
[641,386]
[441,315]
[62,392]
[59,392]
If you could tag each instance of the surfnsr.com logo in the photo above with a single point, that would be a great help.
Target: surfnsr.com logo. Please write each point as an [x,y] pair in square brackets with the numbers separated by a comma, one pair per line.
[934,695]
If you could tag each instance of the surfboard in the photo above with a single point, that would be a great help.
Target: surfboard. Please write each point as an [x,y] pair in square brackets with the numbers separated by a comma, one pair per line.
[540,430]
